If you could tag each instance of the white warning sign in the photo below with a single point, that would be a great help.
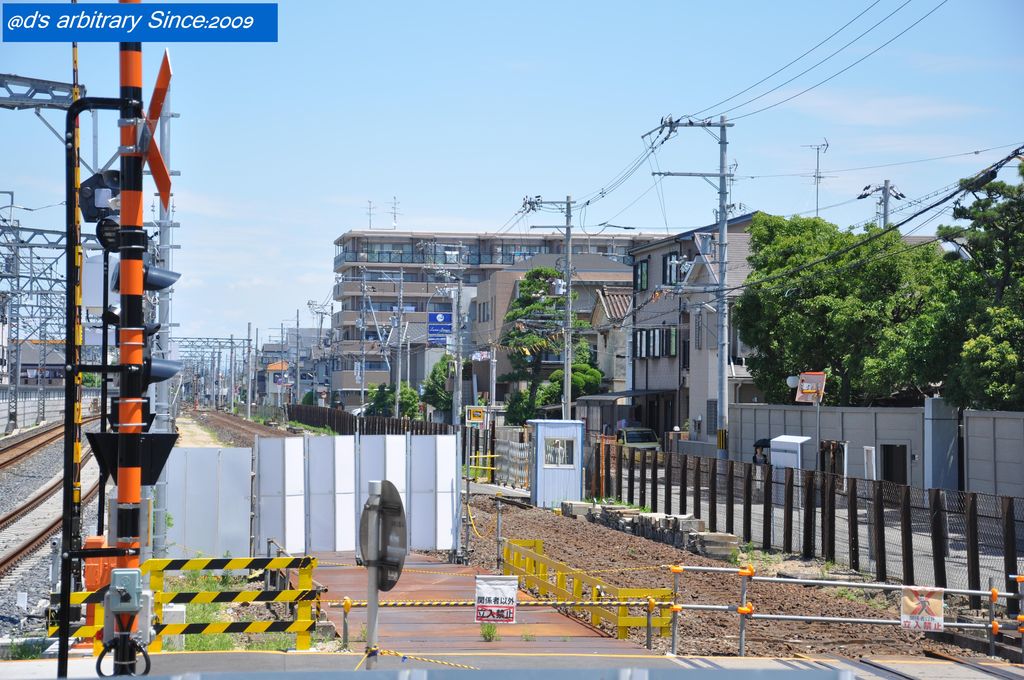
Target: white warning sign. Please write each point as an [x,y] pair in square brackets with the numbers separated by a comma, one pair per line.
[922,609]
[496,599]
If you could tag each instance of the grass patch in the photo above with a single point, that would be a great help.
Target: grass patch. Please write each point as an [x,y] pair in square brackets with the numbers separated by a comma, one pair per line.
[489,632]
[863,596]
[26,648]
[311,428]
[198,612]
[279,642]
[527,636]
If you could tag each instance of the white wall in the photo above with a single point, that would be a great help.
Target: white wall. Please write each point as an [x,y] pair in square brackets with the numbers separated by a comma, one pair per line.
[994,449]
[208,501]
[312,489]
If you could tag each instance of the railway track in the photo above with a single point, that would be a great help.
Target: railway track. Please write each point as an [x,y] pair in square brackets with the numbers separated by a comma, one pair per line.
[987,668]
[28,526]
[240,425]
[22,449]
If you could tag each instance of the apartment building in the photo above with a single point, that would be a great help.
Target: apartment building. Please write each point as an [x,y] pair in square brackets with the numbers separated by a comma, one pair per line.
[374,267]
[674,344]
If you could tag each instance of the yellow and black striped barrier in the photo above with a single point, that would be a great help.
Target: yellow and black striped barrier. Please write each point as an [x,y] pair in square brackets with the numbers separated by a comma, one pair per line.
[227,596]
[205,628]
[208,563]
[521,603]
[304,596]
[86,631]
[235,627]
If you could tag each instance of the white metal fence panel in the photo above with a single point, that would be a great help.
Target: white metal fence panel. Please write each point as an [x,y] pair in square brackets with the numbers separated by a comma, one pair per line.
[208,501]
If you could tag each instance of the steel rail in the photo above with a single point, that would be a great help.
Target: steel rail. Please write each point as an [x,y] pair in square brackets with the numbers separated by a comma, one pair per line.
[37,499]
[24,448]
[9,560]
[993,671]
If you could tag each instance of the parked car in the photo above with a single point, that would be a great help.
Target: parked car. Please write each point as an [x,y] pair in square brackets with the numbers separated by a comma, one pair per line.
[640,438]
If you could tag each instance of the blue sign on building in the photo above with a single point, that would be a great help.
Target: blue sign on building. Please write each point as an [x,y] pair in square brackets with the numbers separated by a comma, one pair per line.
[440,317]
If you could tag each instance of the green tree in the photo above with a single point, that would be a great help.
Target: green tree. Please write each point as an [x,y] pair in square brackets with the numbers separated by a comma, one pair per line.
[309,398]
[382,401]
[533,327]
[983,341]
[836,316]
[435,387]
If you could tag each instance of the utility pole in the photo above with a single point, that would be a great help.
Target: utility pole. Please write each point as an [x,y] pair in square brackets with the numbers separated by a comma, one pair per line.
[396,327]
[493,387]
[297,397]
[887,190]
[362,344]
[248,372]
[284,373]
[721,288]
[231,376]
[533,204]
[457,395]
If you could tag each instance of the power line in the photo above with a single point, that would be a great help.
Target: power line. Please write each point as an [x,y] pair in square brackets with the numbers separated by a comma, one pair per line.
[783,68]
[885,165]
[844,70]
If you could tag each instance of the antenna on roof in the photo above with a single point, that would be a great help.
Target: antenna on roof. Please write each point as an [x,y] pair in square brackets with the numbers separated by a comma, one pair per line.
[394,212]
[369,214]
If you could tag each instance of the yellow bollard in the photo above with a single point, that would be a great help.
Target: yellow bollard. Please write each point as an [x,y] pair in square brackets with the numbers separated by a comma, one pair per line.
[304,610]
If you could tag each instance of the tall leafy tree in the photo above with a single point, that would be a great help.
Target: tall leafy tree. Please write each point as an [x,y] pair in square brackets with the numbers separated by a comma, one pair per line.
[435,387]
[832,316]
[987,356]
[382,401]
[533,327]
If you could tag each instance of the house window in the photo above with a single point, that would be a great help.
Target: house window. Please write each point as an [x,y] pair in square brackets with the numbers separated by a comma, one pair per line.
[670,271]
[640,344]
[640,275]
[670,338]
[655,342]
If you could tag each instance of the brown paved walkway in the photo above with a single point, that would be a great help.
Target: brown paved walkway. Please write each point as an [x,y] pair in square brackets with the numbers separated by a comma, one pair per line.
[422,630]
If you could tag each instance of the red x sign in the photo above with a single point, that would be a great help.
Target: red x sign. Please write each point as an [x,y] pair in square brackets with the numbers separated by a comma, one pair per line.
[157,167]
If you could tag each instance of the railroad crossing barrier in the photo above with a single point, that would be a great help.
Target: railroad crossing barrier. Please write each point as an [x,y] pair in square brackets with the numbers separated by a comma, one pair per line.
[304,597]
[526,559]
[746,611]
[650,604]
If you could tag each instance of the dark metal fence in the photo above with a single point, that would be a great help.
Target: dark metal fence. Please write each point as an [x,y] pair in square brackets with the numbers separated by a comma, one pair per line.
[893,532]
[344,422]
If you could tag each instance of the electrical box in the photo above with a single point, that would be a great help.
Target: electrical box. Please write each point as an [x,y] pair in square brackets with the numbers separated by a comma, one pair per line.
[125,593]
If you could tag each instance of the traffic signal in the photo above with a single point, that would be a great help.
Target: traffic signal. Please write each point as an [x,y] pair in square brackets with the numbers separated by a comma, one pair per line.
[96,193]
[153,277]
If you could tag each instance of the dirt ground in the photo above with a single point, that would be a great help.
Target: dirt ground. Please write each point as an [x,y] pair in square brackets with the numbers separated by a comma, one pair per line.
[192,434]
[585,545]
[230,430]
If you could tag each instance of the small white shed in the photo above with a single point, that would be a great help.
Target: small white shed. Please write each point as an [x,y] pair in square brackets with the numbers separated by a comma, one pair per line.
[788,451]
[557,462]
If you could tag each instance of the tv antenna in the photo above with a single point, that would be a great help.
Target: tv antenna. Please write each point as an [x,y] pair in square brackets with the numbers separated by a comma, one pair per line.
[818,150]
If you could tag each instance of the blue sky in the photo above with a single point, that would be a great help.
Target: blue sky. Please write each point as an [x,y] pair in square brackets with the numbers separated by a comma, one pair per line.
[461,108]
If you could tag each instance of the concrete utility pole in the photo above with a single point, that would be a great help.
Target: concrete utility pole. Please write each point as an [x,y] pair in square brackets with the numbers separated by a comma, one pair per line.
[493,386]
[248,372]
[297,397]
[396,327]
[231,375]
[723,303]
[887,190]
[721,288]
[362,344]
[533,204]
[457,393]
